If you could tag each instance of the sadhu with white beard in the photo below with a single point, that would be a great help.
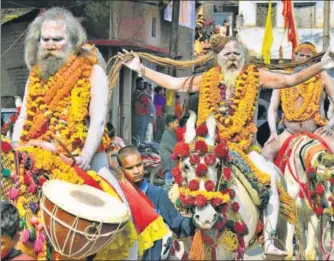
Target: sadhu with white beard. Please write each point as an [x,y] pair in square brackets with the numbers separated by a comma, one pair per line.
[230,90]
[64,110]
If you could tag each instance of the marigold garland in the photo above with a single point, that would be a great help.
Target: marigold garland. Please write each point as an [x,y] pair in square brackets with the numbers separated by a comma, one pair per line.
[209,195]
[310,92]
[59,107]
[235,124]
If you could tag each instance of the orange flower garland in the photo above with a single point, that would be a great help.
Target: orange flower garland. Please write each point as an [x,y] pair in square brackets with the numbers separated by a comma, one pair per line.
[237,127]
[59,107]
[310,92]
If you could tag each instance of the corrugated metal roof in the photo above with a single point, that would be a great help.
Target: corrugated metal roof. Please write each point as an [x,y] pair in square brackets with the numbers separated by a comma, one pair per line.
[8,14]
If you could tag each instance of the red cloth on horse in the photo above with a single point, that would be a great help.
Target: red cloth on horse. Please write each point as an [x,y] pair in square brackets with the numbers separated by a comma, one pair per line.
[280,156]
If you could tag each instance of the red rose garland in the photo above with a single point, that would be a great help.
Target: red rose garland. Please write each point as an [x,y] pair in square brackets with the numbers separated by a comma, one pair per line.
[227,173]
[179,133]
[182,149]
[200,201]
[201,147]
[177,174]
[201,170]
[210,159]
[194,159]
[216,202]
[202,130]
[221,151]
[193,185]
[5,147]
[209,185]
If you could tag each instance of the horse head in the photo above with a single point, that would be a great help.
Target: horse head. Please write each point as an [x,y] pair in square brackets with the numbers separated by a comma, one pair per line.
[197,173]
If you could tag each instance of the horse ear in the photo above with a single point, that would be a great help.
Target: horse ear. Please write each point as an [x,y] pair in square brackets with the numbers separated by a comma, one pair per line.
[211,125]
[190,134]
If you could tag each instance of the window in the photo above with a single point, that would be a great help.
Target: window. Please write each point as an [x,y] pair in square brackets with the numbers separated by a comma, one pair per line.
[261,14]
[154,27]
[304,14]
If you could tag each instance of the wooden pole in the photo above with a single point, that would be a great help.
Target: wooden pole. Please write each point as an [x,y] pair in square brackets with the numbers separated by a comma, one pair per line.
[173,49]
[326,36]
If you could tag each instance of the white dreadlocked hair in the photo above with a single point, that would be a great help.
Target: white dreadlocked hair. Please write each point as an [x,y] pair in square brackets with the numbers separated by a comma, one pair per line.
[77,34]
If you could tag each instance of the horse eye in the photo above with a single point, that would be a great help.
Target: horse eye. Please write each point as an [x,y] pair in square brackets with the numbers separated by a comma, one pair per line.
[186,167]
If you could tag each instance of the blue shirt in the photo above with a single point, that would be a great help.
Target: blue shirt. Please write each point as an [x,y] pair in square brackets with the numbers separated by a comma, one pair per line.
[181,226]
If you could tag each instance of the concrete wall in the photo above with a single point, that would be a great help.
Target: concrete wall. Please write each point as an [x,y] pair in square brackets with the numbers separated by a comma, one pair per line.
[136,24]
[13,70]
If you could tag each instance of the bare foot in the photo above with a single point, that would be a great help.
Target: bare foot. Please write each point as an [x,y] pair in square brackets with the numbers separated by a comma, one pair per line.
[271,250]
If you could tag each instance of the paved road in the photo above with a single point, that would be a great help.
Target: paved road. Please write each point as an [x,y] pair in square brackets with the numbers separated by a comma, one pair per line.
[256,254]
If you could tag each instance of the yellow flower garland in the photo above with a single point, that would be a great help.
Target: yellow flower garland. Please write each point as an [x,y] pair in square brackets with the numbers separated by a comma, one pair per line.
[209,195]
[310,92]
[54,165]
[237,127]
[62,102]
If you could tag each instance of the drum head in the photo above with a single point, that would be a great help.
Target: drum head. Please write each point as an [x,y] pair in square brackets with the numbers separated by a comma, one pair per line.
[86,202]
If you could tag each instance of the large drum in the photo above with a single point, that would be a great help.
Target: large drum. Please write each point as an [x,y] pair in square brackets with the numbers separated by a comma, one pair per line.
[80,220]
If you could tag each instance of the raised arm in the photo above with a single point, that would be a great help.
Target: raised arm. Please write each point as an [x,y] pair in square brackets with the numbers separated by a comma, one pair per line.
[272,115]
[272,80]
[97,113]
[181,84]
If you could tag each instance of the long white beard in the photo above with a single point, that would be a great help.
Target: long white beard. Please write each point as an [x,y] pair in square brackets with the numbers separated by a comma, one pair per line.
[48,66]
[230,77]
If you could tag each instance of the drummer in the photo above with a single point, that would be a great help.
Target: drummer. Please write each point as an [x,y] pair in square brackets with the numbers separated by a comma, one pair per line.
[131,163]
[9,227]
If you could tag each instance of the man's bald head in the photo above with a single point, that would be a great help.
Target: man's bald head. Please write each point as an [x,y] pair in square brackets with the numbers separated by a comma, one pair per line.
[125,151]
[131,163]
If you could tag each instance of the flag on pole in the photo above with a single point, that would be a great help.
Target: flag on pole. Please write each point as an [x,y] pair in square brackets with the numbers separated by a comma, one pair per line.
[289,23]
[268,37]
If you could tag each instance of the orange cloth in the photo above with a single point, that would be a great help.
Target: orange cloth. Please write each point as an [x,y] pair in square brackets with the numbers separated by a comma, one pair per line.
[178,109]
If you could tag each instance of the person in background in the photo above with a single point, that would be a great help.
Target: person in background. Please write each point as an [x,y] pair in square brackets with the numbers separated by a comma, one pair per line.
[151,110]
[159,103]
[132,165]
[9,233]
[116,143]
[183,121]
[178,107]
[168,142]
[225,29]
[141,111]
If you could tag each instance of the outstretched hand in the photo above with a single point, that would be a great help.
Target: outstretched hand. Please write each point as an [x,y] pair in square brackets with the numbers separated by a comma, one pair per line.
[133,64]
[327,62]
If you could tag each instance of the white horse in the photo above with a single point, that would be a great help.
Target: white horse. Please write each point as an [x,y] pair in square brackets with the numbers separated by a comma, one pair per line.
[305,153]
[206,217]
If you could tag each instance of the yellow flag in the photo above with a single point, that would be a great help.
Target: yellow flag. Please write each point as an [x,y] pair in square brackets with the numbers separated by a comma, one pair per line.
[268,37]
